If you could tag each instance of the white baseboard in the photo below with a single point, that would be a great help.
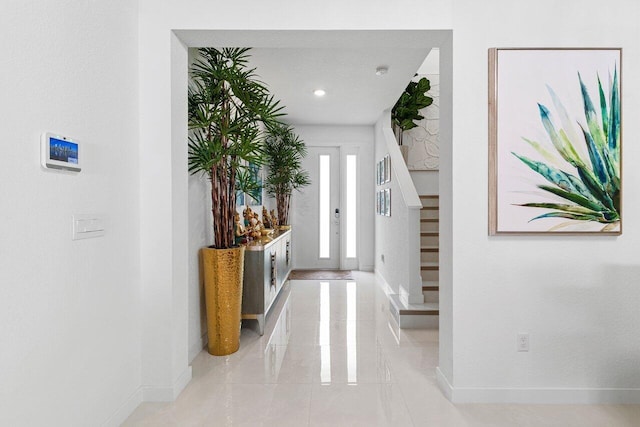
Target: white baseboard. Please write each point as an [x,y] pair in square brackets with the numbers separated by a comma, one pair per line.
[385,286]
[443,383]
[167,394]
[562,396]
[148,394]
[197,347]
[125,409]
[366,268]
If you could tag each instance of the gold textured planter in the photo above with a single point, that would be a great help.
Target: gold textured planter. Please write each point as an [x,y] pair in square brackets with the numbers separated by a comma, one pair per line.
[223,275]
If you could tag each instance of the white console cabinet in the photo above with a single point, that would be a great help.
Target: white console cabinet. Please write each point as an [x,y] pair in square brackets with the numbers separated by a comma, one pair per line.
[267,264]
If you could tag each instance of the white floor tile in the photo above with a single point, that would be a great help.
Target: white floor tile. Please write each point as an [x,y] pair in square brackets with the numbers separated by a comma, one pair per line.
[342,361]
[358,405]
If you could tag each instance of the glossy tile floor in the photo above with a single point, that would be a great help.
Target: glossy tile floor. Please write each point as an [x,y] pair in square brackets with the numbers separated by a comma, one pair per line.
[331,356]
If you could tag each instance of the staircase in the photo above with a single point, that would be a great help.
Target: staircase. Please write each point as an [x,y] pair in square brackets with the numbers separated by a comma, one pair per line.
[424,315]
[429,250]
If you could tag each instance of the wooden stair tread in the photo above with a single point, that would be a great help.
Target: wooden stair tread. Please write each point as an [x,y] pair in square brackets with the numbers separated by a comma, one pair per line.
[429,220]
[430,208]
[429,266]
[425,309]
[429,196]
[428,285]
[429,249]
[429,233]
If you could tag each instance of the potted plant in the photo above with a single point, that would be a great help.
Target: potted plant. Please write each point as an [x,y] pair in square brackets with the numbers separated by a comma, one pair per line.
[284,151]
[407,109]
[227,106]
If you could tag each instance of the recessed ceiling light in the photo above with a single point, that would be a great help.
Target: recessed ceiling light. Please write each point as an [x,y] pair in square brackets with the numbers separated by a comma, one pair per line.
[319,92]
[381,71]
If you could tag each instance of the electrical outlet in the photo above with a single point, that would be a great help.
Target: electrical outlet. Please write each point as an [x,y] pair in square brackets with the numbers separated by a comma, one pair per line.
[523,342]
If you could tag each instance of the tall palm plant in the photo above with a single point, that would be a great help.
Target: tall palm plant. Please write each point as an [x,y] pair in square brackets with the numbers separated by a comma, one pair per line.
[228,108]
[284,153]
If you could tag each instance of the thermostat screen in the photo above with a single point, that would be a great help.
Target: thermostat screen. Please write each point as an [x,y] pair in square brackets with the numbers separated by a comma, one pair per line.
[63,151]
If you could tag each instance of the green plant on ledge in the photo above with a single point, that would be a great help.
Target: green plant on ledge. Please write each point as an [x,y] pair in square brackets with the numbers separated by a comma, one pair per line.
[227,107]
[284,152]
[407,109]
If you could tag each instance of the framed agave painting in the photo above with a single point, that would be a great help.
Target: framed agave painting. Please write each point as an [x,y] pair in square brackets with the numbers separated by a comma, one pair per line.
[555,141]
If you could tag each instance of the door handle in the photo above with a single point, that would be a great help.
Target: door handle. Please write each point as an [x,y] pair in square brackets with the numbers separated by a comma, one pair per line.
[337,213]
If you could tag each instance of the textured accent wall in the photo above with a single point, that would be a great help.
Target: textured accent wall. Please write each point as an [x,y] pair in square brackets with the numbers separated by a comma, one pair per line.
[424,140]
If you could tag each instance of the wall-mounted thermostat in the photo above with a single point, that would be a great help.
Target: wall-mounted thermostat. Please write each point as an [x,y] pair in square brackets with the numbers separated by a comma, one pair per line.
[60,152]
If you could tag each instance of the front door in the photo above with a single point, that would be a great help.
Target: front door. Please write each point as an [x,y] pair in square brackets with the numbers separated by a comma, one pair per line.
[315,212]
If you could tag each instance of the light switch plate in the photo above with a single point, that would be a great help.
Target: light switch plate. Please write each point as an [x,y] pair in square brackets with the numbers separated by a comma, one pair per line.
[87,226]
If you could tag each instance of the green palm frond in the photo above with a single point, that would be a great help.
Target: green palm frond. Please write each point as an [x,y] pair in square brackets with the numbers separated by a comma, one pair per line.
[594,190]
[228,110]
[247,182]
[284,152]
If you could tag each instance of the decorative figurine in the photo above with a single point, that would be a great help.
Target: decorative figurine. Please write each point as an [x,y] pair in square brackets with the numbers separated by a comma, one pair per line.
[247,213]
[274,219]
[253,224]
[240,231]
[266,218]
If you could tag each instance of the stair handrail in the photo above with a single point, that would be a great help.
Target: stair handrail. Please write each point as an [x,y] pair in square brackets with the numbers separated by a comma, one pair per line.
[407,187]
[411,291]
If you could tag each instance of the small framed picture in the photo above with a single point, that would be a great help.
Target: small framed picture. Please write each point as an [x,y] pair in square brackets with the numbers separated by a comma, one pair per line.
[387,169]
[387,202]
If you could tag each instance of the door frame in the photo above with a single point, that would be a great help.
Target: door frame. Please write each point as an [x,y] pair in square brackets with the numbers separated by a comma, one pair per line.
[343,152]
[343,263]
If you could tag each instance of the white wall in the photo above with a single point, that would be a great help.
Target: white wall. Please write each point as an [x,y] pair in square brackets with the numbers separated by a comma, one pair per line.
[69,310]
[553,288]
[445,191]
[426,182]
[577,297]
[359,138]
[163,177]
[200,236]
[397,247]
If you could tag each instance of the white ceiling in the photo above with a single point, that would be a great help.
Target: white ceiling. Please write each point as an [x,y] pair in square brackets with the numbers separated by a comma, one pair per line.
[354,93]
[343,63]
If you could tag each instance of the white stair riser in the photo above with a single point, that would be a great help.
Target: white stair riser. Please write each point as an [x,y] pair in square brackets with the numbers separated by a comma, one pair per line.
[429,240]
[429,226]
[429,256]
[428,213]
[419,322]
[431,275]
[431,296]
[430,201]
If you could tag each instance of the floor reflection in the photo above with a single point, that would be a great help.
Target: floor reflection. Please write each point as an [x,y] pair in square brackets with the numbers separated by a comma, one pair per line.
[352,333]
[325,332]
[276,347]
